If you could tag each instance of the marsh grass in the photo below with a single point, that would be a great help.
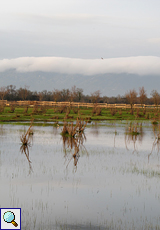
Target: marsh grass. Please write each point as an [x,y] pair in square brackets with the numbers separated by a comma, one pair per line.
[73,130]
[25,138]
[35,110]
[147,116]
[70,144]
[144,111]
[43,109]
[155,122]
[12,108]
[133,133]
[61,109]
[94,109]
[156,142]
[134,128]
[139,113]
[73,137]
[25,110]
[1,108]
[131,111]
[148,173]
[98,111]
[74,141]
[75,110]
[25,149]
[67,113]
[17,116]
[113,111]
[120,112]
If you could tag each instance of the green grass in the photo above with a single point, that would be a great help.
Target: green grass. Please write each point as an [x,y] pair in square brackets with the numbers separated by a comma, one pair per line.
[19,115]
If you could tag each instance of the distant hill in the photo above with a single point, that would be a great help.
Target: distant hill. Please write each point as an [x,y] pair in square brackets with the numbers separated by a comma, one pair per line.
[108,84]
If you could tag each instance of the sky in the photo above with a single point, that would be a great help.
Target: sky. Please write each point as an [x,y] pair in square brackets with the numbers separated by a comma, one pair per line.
[75,35]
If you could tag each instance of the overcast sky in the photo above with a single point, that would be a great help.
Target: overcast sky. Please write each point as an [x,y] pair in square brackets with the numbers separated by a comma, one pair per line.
[81,29]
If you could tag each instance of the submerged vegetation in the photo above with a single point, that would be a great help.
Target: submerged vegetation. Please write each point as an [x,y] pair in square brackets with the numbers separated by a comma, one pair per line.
[26,143]
[73,138]
[133,132]
[134,129]
[72,130]
[25,138]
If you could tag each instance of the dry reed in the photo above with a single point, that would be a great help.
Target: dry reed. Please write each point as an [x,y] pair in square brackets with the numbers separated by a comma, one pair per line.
[113,111]
[73,130]
[26,137]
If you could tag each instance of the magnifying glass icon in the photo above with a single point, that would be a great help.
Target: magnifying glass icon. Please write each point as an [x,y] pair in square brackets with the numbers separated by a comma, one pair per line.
[9,217]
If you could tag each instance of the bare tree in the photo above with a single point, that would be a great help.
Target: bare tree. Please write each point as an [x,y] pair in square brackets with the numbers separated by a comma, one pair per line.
[131,97]
[155,97]
[40,95]
[26,88]
[79,94]
[3,92]
[142,95]
[65,95]
[95,96]
[73,93]
[56,95]
[23,92]
[11,93]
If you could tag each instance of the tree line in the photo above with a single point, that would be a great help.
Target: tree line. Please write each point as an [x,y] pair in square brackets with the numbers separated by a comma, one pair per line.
[75,94]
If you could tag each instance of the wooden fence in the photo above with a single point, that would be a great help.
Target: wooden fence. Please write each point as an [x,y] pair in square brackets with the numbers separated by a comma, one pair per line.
[73,104]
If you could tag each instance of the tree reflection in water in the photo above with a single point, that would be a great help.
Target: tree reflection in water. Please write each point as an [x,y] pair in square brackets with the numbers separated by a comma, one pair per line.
[72,147]
[156,142]
[133,132]
[2,131]
[25,149]
[26,140]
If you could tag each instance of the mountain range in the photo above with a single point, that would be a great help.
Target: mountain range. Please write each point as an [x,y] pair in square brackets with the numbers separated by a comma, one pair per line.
[108,84]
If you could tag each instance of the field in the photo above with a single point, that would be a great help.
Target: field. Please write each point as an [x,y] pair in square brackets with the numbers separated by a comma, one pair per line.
[44,113]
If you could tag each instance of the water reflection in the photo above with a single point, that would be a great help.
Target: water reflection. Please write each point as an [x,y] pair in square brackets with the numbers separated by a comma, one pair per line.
[25,149]
[95,129]
[2,131]
[27,140]
[156,132]
[56,126]
[133,133]
[156,142]
[72,146]
[115,134]
[112,189]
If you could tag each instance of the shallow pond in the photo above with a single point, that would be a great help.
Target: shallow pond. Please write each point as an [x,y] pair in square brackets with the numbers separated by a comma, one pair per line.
[113,183]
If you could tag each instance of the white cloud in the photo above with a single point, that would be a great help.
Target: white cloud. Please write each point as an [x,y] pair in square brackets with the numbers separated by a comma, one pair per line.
[154,40]
[142,65]
[61,18]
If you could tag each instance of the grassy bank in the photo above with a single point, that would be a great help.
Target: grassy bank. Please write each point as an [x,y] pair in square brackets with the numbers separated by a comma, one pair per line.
[44,114]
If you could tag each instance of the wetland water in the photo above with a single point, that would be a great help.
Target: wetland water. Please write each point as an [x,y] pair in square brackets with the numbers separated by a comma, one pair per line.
[114,183]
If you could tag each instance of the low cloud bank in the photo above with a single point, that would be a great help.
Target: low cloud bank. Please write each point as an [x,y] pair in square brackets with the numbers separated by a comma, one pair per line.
[141,65]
